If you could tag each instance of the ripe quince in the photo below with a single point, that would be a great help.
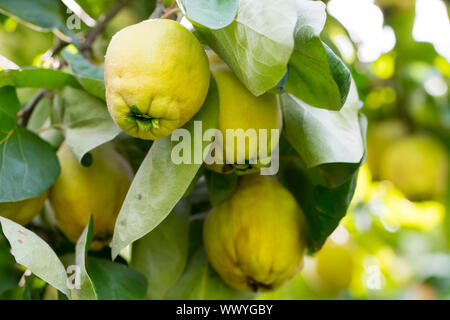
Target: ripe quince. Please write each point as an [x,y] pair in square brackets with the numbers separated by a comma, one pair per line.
[23,211]
[156,77]
[379,137]
[98,189]
[255,239]
[418,166]
[335,267]
[240,110]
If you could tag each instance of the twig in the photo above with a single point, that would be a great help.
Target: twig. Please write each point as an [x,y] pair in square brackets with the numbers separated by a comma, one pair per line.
[173,5]
[159,10]
[25,113]
[170,12]
[101,26]
[85,47]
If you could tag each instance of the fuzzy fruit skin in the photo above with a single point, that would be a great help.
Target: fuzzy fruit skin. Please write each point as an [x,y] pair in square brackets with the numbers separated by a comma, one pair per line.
[335,267]
[240,109]
[159,67]
[98,189]
[418,166]
[254,240]
[23,211]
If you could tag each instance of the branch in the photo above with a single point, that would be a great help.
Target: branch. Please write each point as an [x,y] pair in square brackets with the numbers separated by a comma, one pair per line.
[85,47]
[93,34]
[170,12]
[159,10]
[25,113]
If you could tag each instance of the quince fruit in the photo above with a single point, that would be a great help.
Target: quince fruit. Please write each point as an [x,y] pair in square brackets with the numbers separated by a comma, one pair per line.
[156,77]
[417,166]
[335,267]
[23,211]
[379,137]
[98,189]
[240,110]
[255,239]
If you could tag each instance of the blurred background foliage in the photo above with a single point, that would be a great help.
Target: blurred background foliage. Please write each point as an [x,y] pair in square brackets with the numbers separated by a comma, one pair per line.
[394,242]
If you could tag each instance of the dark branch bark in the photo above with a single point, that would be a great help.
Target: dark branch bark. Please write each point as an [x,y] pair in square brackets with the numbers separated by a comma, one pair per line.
[85,48]
[93,34]
[25,113]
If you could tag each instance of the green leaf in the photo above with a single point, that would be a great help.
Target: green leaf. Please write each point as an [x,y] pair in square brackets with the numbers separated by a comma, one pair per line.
[33,288]
[256,51]
[213,14]
[220,186]
[35,254]
[86,290]
[9,106]
[162,254]
[311,14]
[37,78]
[201,282]
[194,182]
[86,122]
[29,166]
[159,182]
[324,203]
[114,281]
[41,118]
[9,274]
[40,115]
[46,15]
[5,63]
[316,75]
[89,76]
[322,136]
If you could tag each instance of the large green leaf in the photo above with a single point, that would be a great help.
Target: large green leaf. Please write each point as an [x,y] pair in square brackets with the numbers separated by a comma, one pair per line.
[86,290]
[29,166]
[90,76]
[159,182]
[311,14]
[46,15]
[213,14]
[201,282]
[322,136]
[35,254]
[86,122]
[114,281]
[258,44]
[162,254]
[324,201]
[316,75]
[37,78]
[9,106]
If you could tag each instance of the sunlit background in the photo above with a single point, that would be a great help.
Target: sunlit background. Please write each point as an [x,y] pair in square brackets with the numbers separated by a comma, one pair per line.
[394,242]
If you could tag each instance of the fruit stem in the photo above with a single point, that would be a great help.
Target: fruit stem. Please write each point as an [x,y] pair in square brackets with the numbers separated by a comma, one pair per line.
[143,121]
